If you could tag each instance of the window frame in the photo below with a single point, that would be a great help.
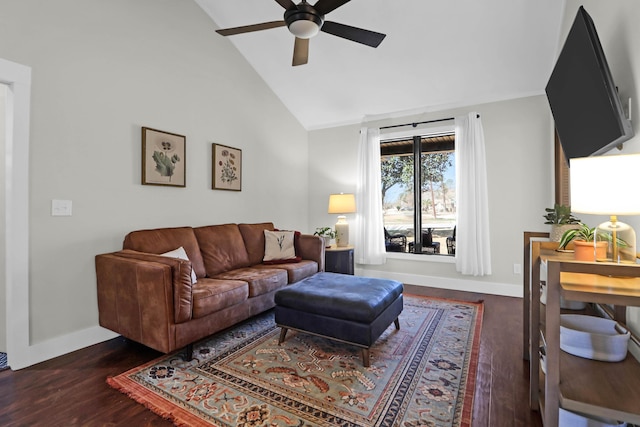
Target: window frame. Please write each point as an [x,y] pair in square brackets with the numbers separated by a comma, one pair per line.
[419,132]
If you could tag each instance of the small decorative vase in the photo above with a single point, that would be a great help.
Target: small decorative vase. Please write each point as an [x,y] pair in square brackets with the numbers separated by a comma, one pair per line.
[327,241]
[585,251]
[557,230]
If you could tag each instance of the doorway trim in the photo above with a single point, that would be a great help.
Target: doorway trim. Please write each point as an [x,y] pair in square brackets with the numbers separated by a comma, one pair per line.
[18,79]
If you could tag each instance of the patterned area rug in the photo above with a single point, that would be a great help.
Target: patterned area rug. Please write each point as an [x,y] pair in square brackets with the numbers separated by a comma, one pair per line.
[422,375]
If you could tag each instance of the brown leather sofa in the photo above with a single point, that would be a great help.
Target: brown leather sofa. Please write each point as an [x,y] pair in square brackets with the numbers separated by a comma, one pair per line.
[151,299]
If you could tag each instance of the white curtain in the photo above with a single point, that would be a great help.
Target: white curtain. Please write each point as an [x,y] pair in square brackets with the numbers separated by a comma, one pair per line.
[369,243]
[473,253]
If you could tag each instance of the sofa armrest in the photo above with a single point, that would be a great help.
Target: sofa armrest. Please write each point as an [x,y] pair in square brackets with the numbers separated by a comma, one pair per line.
[181,279]
[312,248]
[135,299]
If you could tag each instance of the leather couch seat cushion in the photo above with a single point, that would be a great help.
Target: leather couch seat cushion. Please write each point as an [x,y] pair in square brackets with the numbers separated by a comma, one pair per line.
[296,271]
[211,295]
[261,280]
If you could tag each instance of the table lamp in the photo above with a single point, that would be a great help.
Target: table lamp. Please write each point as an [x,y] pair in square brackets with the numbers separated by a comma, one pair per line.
[342,204]
[607,185]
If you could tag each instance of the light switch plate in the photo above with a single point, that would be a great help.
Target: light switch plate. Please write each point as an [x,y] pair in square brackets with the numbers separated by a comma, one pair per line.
[61,207]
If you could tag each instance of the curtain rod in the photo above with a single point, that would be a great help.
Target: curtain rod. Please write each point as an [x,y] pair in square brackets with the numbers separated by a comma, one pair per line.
[414,124]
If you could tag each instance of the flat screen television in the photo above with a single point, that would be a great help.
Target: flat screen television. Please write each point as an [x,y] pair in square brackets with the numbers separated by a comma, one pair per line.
[584,101]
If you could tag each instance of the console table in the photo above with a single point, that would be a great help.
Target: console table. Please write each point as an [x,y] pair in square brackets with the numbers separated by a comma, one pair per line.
[601,389]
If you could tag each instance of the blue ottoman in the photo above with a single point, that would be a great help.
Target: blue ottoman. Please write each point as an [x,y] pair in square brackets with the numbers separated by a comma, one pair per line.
[351,309]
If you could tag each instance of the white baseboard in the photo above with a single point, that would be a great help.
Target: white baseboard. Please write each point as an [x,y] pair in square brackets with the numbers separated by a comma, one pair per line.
[58,346]
[492,288]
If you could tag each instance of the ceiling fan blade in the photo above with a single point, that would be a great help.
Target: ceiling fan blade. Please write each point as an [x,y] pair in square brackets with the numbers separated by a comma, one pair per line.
[251,28]
[325,6]
[300,52]
[359,35]
[287,4]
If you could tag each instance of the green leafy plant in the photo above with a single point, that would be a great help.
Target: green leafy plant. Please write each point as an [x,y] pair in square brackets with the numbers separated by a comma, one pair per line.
[588,235]
[583,232]
[325,232]
[560,214]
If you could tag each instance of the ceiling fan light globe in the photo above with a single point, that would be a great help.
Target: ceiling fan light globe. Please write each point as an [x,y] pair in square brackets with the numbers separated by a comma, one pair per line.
[304,29]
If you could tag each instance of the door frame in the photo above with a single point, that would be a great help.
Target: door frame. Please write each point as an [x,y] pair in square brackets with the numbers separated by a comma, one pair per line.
[18,79]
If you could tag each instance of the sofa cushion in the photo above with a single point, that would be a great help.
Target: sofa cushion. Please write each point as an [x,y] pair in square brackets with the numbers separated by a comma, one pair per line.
[222,248]
[211,295]
[260,280]
[296,271]
[161,240]
[278,246]
[253,236]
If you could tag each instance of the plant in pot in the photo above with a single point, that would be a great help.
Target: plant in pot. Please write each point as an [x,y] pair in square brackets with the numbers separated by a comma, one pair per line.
[585,248]
[326,233]
[561,220]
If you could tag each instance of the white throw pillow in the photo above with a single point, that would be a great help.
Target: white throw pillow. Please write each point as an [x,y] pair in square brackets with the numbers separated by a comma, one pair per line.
[278,245]
[181,254]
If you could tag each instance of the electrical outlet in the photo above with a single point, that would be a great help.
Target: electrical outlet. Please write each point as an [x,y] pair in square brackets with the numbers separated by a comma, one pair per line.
[517,268]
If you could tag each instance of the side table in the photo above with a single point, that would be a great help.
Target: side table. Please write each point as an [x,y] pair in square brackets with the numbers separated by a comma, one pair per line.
[339,259]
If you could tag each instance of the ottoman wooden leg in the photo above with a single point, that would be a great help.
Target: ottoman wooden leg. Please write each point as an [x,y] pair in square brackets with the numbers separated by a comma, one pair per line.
[283,333]
[397,323]
[365,357]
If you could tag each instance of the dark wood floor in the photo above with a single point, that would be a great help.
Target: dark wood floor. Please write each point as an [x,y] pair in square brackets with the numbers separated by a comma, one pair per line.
[71,390]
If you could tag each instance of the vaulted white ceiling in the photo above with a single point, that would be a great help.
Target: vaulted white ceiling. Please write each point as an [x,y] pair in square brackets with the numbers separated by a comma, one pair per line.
[437,54]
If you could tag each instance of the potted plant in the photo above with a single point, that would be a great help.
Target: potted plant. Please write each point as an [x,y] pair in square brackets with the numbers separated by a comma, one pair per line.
[585,249]
[561,220]
[326,233]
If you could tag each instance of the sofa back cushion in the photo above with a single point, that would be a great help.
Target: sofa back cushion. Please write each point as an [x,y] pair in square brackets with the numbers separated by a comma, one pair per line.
[253,236]
[161,240]
[222,248]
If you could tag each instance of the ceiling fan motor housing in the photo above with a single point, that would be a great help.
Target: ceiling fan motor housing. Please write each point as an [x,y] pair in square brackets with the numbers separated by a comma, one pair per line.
[304,21]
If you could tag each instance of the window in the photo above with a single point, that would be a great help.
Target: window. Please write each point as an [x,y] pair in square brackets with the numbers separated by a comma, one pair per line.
[429,184]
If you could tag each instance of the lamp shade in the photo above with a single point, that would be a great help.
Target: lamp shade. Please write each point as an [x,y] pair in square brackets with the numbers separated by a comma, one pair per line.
[342,203]
[605,185]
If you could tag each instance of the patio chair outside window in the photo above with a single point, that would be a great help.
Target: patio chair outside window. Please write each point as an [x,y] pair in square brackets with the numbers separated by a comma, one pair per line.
[451,243]
[395,242]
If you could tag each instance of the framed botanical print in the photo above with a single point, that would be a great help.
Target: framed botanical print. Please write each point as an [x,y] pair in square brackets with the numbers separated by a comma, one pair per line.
[163,158]
[227,168]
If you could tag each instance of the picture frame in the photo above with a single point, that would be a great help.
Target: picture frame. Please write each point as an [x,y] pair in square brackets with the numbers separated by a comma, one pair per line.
[227,168]
[163,158]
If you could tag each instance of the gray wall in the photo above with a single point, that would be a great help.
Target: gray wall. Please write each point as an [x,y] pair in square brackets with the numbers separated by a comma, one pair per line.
[518,138]
[100,71]
[619,33]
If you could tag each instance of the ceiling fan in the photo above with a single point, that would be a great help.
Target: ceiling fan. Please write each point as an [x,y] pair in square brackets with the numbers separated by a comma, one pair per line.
[305,21]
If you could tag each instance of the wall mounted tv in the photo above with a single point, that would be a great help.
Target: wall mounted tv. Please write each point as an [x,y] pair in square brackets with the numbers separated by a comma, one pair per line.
[584,101]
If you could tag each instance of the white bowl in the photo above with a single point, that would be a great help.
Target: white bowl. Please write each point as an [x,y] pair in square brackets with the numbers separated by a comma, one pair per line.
[573,419]
[593,337]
